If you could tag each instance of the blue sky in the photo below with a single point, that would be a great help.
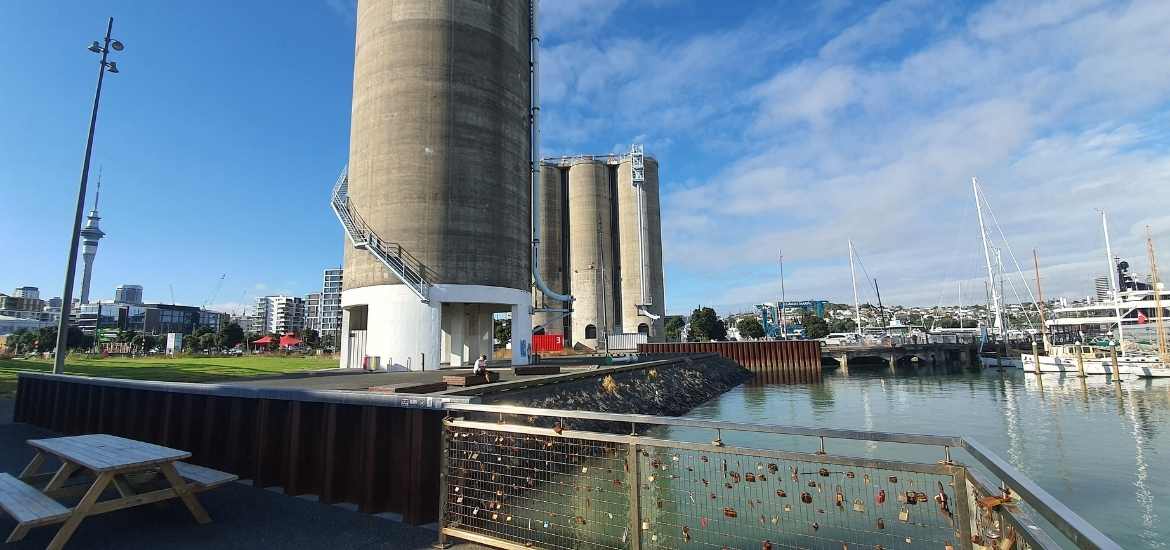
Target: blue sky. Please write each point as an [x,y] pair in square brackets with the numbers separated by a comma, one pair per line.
[779,125]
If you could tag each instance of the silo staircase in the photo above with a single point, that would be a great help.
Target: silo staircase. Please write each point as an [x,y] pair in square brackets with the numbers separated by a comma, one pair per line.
[407,268]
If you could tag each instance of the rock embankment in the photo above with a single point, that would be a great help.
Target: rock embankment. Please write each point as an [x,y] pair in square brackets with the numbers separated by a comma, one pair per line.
[667,390]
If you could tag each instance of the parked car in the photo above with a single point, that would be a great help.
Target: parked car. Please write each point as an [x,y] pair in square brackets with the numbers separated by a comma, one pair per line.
[841,339]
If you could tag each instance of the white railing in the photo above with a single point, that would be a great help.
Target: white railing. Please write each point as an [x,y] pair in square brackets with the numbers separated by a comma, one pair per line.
[405,267]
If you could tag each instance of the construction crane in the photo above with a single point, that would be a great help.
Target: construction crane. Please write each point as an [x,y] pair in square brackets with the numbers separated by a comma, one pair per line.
[215,293]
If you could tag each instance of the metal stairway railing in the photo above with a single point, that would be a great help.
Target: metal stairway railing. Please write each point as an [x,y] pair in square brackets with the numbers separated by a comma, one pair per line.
[407,268]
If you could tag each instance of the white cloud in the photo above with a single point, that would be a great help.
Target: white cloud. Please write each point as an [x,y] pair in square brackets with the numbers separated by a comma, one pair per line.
[1048,103]
[572,17]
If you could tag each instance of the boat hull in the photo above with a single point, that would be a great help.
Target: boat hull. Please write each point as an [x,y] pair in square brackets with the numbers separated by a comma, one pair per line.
[1049,364]
[1141,369]
[1147,371]
[1008,362]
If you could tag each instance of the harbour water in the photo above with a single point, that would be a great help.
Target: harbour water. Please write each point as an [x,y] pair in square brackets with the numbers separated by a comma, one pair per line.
[1098,446]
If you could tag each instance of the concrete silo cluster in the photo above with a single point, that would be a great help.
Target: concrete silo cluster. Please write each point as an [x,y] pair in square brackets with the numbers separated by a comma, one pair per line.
[436,200]
[601,242]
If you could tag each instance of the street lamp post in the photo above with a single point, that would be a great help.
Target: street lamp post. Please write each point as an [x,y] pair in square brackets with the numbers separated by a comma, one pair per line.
[71,263]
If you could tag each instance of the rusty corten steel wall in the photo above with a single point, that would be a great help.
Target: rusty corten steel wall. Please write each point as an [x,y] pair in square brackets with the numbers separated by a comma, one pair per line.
[382,458]
[773,362]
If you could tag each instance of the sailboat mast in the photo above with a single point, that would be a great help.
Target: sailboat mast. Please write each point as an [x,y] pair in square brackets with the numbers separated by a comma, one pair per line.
[1040,305]
[856,301]
[1155,281]
[783,300]
[987,256]
[959,301]
[1114,284]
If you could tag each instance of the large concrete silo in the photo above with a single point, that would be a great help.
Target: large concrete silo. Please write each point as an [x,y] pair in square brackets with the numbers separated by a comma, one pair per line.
[591,257]
[439,170]
[640,251]
[553,247]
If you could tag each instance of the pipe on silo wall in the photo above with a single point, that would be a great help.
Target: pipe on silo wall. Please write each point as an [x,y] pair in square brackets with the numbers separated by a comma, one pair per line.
[590,251]
[534,150]
[640,251]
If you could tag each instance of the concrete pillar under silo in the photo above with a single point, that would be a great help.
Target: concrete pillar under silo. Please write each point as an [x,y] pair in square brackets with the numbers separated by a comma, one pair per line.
[344,339]
[453,323]
[521,334]
[843,360]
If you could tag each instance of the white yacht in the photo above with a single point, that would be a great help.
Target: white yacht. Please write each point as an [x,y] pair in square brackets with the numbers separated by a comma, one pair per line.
[1092,325]
[1063,359]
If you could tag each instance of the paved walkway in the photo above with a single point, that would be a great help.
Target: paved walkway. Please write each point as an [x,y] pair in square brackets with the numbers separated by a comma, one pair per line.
[360,381]
[243,517]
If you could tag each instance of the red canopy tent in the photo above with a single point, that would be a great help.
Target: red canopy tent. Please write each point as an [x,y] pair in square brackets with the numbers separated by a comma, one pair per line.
[263,341]
[288,340]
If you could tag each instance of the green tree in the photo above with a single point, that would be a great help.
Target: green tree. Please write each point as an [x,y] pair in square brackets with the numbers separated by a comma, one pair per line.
[47,339]
[949,322]
[329,340]
[230,335]
[22,341]
[706,325]
[674,326]
[842,325]
[814,327]
[750,327]
[503,331]
[310,338]
[208,340]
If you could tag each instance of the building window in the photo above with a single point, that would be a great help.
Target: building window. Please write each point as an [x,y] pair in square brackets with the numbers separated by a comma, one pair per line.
[643,328]
[590,332]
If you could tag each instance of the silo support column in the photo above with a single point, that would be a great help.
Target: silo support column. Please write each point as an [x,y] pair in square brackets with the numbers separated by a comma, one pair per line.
[344,339]
[454,328]
[484,333]
[521,333]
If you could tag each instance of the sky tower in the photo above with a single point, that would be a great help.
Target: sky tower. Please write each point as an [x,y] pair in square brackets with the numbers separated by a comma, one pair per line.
[90,235]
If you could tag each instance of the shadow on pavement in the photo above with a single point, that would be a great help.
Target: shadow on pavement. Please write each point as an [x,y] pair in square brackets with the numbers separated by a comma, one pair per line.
[243,517]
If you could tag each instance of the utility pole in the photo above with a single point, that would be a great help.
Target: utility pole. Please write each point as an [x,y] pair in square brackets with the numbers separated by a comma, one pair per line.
[104,66]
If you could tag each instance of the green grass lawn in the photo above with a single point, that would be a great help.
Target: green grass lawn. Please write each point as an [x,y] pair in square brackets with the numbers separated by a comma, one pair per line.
[169,369]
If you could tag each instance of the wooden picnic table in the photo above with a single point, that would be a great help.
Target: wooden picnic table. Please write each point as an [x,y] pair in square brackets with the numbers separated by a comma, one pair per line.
[109,459]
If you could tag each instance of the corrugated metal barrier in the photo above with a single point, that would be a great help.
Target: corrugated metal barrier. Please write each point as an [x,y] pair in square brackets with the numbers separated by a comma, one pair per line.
[380,457]
[773,362]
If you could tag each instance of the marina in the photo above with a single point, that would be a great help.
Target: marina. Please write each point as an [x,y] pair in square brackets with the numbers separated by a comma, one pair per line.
[1091,442]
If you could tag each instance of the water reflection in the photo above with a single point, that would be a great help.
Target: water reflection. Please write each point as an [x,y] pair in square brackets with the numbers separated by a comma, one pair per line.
[1091,442]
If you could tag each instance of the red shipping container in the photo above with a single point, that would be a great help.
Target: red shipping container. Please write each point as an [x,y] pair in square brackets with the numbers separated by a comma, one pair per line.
[548,342]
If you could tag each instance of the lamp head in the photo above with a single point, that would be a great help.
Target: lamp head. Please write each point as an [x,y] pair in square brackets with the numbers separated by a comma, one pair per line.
[95,47]
[112,67]
[116,45]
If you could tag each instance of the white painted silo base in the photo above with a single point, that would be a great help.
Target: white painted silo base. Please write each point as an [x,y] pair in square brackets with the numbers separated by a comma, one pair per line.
[390,323]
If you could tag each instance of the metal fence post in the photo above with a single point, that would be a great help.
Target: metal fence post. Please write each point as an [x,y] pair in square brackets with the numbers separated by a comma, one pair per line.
[443,449]
[963,510]
[633,479]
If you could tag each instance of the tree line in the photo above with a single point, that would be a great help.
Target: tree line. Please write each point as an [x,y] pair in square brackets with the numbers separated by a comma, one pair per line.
[706,325]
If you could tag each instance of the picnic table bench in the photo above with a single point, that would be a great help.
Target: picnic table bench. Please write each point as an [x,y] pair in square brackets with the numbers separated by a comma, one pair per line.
[469,379]
[109,459]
